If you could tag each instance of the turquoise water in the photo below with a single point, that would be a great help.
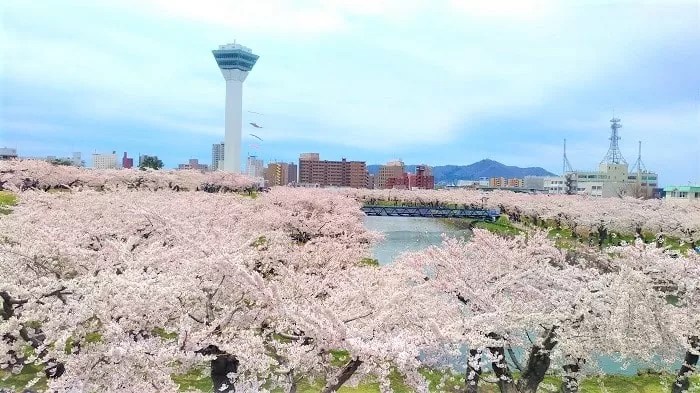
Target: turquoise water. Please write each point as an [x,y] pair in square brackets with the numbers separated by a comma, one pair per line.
[402,234]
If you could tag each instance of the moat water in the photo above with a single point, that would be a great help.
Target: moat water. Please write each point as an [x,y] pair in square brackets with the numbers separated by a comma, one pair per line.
[402,234]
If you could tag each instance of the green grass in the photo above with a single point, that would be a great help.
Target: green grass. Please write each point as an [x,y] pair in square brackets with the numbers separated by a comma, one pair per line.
[198,380]
[7,199]
[18,382]
[501,226]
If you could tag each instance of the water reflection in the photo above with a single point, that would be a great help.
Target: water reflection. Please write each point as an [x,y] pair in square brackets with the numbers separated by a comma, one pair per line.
[402,234]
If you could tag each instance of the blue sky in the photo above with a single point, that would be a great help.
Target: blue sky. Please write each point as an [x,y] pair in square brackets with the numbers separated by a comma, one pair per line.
[436,82]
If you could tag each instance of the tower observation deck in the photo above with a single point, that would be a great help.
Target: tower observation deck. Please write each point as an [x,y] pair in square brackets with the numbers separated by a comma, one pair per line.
[234,61]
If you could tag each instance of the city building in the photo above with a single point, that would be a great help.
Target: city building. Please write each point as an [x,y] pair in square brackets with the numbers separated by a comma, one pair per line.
[392,169]
[421,179]
[515,183]
[104,161]
[7,153]
[613,177]
[217,156]
[682,193]
[535,183]
[254,167]
[193,163]
[234,61]
[127,163]
[332,173]
[292,176]
[498,182]
[277,174]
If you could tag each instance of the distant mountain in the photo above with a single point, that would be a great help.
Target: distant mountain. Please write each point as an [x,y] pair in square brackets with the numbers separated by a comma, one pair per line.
[448,174]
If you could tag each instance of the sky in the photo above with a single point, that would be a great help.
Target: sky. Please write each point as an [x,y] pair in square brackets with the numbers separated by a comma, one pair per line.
[435,82]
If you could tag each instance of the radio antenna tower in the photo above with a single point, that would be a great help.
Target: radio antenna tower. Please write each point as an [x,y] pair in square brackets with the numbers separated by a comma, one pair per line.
[639,166]
[566,165]
[614,155]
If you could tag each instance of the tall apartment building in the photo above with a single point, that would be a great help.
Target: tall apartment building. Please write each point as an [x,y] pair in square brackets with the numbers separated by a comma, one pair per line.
[217,156]
[277,174]
[392,170]
[104,161]
[332,173]
[423,178]
[292,176]
[254,167]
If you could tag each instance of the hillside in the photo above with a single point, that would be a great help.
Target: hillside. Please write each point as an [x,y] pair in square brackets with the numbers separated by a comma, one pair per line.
[447,174]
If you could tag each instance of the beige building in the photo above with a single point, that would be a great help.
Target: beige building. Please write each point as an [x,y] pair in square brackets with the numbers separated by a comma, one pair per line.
[277,174]
[392,170]
[341,173]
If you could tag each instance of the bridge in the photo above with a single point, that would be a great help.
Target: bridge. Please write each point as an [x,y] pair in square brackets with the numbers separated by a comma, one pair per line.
[434,212]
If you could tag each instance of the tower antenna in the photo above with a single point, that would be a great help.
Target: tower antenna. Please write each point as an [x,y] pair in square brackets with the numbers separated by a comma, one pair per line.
[566,168]
[614,155]
[639,165]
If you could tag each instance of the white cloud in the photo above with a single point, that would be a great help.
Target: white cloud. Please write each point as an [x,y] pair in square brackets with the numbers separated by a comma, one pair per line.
[344,72]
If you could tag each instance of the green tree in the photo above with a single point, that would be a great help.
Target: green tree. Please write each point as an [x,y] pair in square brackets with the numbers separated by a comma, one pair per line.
[152,162]
[61,161]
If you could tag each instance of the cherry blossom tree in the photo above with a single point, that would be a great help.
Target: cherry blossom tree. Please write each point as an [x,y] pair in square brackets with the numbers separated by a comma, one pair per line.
[582,305]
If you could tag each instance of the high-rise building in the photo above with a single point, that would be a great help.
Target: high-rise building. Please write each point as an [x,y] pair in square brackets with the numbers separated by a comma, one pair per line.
[277,174]
[127,163]
[217,156]
[235,61]
[342,173]
[104,161]
[292,173]
[254,167]
[423,178]
[392,170]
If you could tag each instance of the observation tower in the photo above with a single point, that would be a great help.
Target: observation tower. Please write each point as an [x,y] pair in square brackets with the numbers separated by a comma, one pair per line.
[235,61]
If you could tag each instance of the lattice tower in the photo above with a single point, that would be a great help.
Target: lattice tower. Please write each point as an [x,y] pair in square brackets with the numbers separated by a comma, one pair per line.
[614,155]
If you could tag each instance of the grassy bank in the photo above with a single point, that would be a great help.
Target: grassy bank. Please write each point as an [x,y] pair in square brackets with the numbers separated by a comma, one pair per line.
[7,199]
[501,226]
[198,380]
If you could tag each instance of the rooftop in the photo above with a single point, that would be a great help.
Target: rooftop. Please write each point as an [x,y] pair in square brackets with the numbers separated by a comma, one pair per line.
[235,46]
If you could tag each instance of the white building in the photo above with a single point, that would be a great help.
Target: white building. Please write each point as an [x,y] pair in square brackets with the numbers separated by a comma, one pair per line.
[235,61]
[105,161]
[254,167]
[612,179]
[690,193]
[217,156]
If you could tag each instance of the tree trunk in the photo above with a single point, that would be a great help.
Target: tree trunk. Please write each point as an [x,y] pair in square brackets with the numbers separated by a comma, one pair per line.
[220,368]
[537,363]
[223,365]
[473,373]
[500,369]
[682,383]
[570,382]
[345,374]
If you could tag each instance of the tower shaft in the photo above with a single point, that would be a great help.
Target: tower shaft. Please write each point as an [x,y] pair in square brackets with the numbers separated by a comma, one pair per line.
[233,125]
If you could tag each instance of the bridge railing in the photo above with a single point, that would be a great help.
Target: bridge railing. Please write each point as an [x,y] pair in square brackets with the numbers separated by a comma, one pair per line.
[429,211]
